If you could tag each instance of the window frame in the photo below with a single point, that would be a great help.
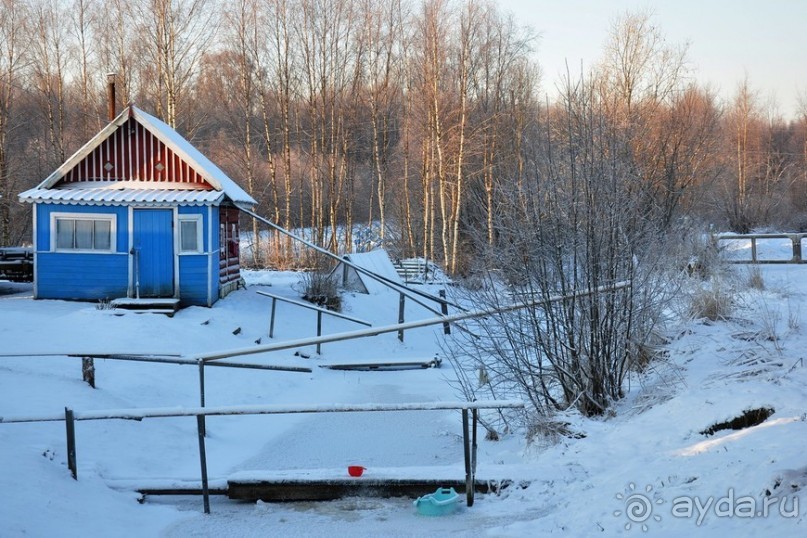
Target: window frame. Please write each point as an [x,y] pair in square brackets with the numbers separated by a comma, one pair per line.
[200,239]
[111,218]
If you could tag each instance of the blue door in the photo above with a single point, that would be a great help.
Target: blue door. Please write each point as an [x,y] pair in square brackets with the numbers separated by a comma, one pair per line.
[154,252]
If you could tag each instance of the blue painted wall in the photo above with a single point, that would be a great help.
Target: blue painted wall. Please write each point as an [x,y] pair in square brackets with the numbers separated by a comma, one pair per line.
[93,277]
[81,276]
[90,277]
[194,269]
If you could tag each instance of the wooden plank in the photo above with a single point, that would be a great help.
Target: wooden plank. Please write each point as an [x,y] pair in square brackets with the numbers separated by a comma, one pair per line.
[181,490]
[167,306]
[300,489]
[144,303]
[385,366]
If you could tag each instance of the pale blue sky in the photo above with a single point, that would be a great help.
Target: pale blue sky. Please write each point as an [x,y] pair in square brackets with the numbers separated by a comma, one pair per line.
[765,39]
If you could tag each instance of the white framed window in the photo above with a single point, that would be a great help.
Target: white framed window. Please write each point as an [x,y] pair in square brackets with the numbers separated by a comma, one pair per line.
[191,238]
[82,232]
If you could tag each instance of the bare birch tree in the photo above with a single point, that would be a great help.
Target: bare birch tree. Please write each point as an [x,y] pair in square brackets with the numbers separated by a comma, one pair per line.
[50,66]
[83,17]
[179,32]
[13,40]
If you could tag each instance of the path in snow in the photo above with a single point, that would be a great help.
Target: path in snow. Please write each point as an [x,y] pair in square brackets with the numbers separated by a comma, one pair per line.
[382,439]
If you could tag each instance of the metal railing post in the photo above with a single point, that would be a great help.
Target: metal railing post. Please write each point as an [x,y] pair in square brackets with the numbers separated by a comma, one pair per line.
[200,428]
[401,307]
[444,310]
[272,319]
[202,425]
[70,427]
[319,330]
[474,420]
[466,447]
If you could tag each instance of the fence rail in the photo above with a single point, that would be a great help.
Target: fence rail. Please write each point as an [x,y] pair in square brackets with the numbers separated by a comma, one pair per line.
[469,431]
[795,243]
[317,309]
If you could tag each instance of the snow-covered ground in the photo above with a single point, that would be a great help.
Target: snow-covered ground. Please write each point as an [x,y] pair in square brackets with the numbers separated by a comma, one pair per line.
[649,455]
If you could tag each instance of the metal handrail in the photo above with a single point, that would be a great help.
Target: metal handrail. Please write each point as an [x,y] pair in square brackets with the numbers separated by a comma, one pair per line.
[312,307]
[317,309]
[468,431]
[374,331]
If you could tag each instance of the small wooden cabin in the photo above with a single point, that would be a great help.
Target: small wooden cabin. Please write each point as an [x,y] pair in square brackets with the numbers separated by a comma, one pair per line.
[137,212]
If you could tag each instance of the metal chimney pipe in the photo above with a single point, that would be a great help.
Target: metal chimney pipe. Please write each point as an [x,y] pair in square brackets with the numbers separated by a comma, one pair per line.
[110,93]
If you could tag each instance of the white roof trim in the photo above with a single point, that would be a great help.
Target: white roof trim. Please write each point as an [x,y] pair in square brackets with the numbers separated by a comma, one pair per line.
[122,196]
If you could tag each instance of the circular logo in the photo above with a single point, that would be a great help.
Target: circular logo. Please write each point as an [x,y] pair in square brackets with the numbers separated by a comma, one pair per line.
[637,506]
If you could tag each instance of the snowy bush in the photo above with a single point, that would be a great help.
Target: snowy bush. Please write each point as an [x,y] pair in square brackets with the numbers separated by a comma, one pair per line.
[317,287]
[713,302]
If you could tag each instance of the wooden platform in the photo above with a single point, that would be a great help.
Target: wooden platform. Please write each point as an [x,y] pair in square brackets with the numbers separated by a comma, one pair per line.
[167,306]
[311,489]
[322,485]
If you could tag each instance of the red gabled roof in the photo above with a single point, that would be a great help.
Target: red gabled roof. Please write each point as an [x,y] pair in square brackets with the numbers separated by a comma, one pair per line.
[138,148]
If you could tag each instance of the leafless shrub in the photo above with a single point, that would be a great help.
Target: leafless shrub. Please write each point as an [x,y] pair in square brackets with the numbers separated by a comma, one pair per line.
[549,431]
[317,287]
[793,317]
[574,246]
[755,280]
[104,304]
[711,302]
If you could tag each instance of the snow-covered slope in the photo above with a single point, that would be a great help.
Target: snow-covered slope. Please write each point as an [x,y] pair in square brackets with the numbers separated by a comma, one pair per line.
[649,455]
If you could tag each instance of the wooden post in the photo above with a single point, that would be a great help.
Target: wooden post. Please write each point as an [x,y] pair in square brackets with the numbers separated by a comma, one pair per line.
[444,310]
[319,329]
[796,239]
[88,371]
[401,306]
[754,249]
[272,319]
[70,427]
[200,427]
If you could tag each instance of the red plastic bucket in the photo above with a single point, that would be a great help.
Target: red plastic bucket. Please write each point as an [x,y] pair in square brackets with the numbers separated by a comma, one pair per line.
[355,470]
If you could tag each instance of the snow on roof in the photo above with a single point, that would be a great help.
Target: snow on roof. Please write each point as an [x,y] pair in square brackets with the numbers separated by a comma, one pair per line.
[92,194]
[204,166]
[215,176]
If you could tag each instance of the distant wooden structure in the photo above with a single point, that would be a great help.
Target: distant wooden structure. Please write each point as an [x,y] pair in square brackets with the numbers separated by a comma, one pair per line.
[16,264]
[754,240]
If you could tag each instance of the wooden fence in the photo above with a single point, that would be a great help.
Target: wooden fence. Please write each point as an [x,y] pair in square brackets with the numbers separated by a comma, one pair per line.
[758,240]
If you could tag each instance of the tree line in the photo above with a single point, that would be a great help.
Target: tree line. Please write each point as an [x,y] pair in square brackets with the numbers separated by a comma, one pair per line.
[427,120]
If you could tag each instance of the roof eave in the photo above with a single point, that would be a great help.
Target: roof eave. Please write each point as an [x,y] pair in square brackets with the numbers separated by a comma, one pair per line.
[234,191]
